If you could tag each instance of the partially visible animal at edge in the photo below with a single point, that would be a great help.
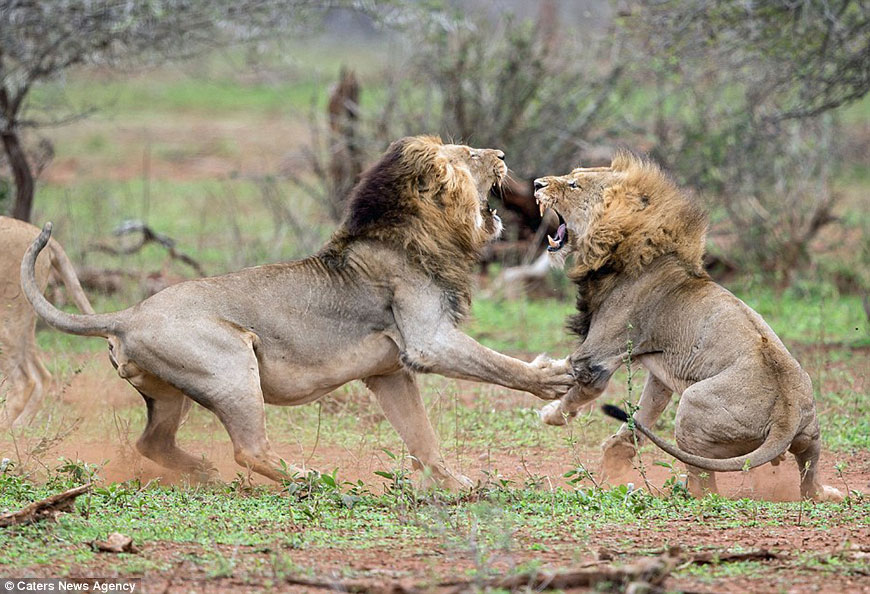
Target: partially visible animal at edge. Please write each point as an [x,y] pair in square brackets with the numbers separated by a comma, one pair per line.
[380,302]
[24,377]
[636,244]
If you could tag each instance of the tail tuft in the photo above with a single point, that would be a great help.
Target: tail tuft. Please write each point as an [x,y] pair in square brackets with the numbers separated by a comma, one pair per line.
[615,412]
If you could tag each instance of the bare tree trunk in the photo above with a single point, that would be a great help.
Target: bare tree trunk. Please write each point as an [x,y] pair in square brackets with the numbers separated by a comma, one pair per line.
[23,205]
[345,159]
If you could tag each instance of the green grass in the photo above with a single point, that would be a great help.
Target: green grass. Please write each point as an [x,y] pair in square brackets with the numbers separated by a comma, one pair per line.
[284,80]
[326,512]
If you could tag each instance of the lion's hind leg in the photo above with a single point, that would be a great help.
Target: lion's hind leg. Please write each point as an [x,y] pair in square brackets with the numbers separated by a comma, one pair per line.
[806,450]
[23,379]
[167,410]
[233,393]
[40,378]
[701,482]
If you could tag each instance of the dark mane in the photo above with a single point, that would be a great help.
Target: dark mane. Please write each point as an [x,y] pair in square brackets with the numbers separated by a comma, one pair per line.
[376,201]
[400,202]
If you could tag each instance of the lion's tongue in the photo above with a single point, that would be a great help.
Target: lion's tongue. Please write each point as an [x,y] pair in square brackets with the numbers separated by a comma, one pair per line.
[557,242]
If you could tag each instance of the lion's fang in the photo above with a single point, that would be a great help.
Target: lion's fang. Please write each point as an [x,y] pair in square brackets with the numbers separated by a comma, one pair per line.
[553,242]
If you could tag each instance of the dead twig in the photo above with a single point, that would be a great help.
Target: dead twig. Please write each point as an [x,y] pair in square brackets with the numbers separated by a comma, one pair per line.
[148,236]
[44,508]
[648,572]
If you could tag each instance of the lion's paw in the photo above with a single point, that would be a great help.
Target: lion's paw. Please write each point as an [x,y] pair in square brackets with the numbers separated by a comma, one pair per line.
[552,414]
[827,493]
[552,376]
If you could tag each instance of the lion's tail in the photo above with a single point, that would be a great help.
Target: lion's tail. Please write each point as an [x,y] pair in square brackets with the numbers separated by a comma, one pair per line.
[778,440]
[89,324]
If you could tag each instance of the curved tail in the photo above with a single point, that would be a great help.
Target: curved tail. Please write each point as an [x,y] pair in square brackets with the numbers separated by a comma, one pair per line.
[778,440]
[89,324]
[67,272]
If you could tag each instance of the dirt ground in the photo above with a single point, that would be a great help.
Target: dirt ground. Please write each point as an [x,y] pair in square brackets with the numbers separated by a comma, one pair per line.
[427,563]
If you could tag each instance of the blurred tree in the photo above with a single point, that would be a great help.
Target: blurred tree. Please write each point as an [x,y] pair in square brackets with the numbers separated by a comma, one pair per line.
[533,88]
[741,101]
[40,40]
[807,56]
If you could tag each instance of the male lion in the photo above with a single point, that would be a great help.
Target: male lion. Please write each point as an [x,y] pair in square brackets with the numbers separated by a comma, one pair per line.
[637,243]
[25,376]
[380,302]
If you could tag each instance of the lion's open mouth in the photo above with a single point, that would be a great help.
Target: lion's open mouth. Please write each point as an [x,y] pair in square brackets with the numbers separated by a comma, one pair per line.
[556,243]
[497,192]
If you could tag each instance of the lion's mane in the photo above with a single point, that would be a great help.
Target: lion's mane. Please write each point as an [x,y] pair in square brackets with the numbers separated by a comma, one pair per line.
[641,217]
[414,201]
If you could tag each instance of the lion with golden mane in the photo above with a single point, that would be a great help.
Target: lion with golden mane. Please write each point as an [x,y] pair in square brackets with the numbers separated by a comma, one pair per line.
[380,302]
[637,244]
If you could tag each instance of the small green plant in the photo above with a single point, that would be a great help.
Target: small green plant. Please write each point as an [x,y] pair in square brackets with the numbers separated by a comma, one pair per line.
[70,473]
[675,484]
[579,474]
[398,476]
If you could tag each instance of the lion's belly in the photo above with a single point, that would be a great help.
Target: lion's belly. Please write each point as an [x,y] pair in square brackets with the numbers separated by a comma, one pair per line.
[287,379]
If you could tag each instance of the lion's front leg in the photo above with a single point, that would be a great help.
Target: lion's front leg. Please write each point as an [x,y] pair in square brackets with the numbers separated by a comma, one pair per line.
[430,343]
[451,353]
[402,404]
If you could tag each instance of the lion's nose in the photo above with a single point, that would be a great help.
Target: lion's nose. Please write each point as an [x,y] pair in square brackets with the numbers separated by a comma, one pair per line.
[500,155]
[539,183]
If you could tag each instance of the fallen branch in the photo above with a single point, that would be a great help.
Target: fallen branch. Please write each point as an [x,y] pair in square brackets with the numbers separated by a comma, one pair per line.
[645,573]
[148,236]
[45,508]
[649,571]
[715,557]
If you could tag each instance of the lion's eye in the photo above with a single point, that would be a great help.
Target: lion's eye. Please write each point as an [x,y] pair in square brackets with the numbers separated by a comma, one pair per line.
[572,184]
[475,156]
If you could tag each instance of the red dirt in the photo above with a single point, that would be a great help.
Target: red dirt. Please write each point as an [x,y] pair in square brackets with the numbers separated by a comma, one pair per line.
[95,391]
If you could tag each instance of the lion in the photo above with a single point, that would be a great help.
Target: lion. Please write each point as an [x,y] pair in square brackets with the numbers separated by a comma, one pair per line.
[380,302]
[25,375]
[637,243]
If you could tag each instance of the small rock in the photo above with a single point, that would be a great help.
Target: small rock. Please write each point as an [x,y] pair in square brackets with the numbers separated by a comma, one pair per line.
[116,543]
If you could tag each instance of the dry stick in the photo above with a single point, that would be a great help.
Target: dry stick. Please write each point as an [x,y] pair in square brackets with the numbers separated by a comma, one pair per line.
[38,510]
[630,375]
[148,236]
[316,437]
[653,571]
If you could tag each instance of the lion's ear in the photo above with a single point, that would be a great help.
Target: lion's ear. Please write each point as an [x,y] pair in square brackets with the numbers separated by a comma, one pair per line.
[423,184]
[430,177]
[637,200]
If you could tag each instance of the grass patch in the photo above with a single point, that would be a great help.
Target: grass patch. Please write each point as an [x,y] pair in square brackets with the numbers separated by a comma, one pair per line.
[321,511]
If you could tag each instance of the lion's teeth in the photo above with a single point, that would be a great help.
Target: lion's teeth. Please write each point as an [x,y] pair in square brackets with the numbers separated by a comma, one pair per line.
[494,211]
[541,204]
[553,242]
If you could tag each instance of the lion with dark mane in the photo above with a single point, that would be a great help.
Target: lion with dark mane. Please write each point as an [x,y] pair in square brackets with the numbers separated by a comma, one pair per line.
[381,302]
[637,244]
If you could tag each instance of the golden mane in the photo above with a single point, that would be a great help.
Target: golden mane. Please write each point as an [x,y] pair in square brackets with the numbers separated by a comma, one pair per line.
[413,200]
[642,216]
